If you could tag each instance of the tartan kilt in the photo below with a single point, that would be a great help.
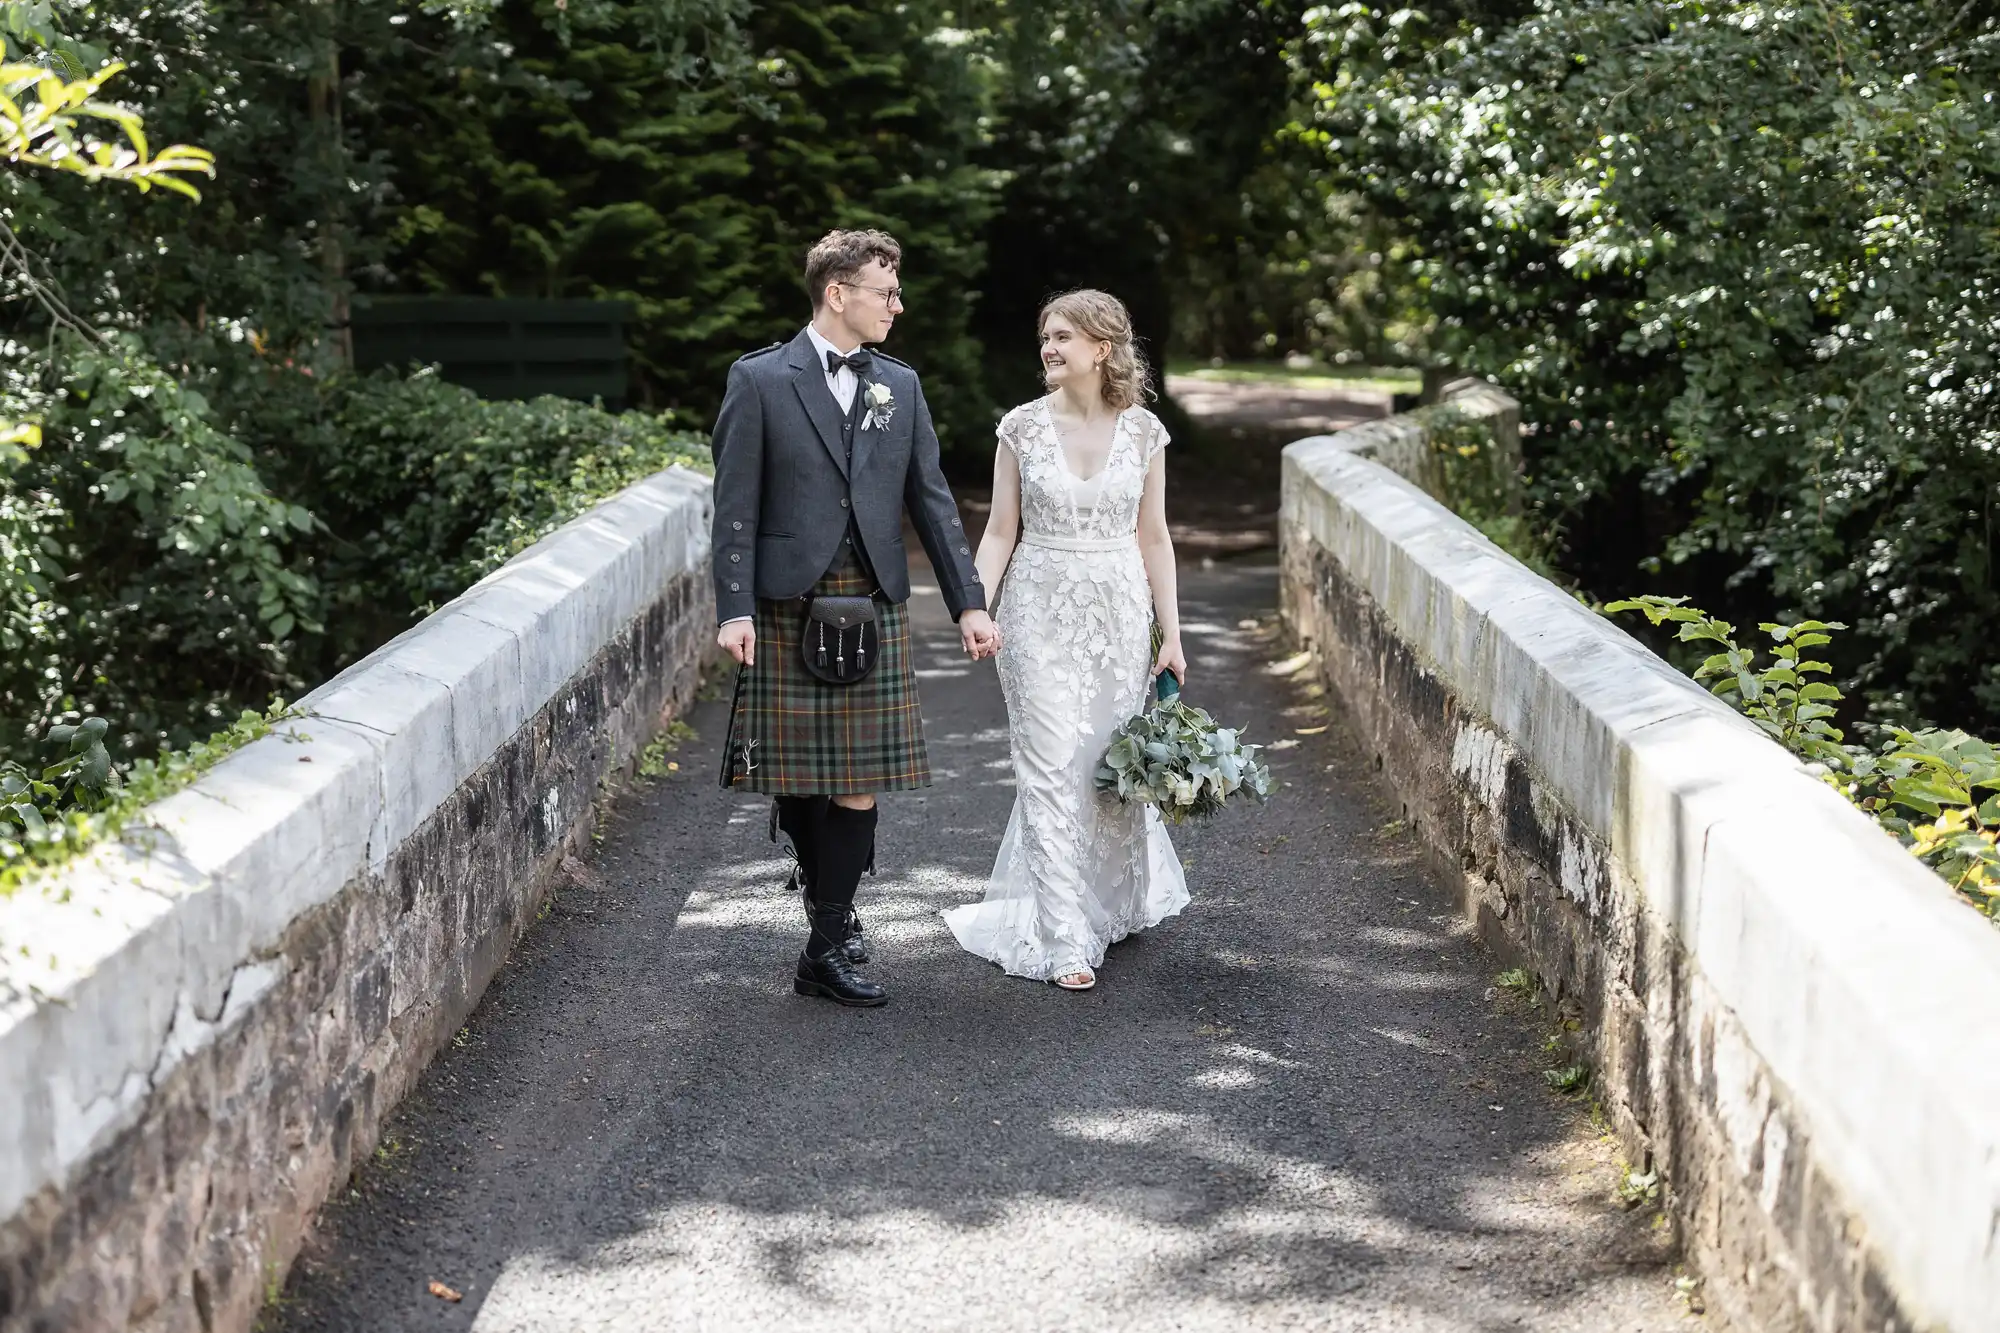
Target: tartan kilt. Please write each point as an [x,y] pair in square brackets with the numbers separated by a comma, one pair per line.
[816,739]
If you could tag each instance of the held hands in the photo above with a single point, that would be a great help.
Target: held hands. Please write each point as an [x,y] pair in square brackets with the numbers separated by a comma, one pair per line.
[978,633]
[739,639]
[1172,659]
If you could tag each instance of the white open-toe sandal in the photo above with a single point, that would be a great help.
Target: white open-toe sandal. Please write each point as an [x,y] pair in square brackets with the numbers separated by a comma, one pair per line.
[1068,981]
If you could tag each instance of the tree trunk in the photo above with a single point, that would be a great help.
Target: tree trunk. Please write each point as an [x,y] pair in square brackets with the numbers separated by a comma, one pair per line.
[323,109]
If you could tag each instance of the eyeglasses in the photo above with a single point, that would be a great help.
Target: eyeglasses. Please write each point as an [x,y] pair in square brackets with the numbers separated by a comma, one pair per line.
[891,295]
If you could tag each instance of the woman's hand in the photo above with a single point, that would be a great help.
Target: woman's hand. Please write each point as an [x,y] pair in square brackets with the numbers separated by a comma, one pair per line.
[979,635]
[1172,659]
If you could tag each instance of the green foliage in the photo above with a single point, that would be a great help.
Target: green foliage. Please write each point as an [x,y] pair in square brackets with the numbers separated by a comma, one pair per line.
[1134,140]
[1789,708]
[31,806]
[1569,1080]
[48,131]
[1174,758]
[1736,260]
[159,566]
[423,487]
[584,162]
[81,800]
[653,760]
[150,574]
[1638,1188]
[1478,481]
[1937,792]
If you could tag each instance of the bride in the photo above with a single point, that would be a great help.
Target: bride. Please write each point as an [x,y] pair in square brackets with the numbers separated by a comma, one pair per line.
[1079,530]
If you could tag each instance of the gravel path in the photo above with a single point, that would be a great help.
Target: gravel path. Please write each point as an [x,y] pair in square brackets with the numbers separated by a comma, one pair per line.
[1295,1106]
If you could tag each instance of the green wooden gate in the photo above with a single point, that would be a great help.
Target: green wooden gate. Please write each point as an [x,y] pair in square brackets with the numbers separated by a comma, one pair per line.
[501,347]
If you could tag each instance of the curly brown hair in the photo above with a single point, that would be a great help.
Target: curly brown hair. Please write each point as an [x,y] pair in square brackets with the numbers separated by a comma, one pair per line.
[839,256]
[1102,317]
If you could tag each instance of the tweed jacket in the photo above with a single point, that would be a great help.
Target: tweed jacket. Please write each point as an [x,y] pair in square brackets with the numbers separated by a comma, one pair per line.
[785,488]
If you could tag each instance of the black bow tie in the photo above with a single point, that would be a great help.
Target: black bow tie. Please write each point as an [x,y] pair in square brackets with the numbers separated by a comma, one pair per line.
[859,362]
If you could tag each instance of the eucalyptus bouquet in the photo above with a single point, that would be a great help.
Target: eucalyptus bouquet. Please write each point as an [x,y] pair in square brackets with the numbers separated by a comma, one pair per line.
[1175,758]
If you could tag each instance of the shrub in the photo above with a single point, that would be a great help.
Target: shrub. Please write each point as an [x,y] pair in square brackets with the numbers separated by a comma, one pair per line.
[1735,261]
[152,580]
[423,486]
[149,575]
[1935,791]
[81,799]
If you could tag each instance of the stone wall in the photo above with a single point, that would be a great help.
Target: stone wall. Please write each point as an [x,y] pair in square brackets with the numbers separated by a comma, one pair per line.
[1787,1015]
[201,1029]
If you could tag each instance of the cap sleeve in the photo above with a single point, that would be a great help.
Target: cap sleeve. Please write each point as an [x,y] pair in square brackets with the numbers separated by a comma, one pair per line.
[1156,435]
[1009,432]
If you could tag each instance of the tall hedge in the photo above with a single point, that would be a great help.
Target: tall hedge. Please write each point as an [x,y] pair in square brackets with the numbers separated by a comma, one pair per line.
[586,165]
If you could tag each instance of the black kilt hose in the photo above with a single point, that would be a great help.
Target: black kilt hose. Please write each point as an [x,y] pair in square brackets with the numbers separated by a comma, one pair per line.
[815,739]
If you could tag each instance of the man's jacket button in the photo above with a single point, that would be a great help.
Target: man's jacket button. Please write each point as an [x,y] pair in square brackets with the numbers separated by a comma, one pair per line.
[737,526]
[734,558]
[736,587]
[843,502]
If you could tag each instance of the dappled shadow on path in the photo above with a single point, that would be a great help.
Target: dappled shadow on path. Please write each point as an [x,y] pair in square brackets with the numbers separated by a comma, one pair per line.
[1293,1106]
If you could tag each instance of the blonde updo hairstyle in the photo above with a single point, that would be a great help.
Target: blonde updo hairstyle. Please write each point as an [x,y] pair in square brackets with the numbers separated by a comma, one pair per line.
[1102,317]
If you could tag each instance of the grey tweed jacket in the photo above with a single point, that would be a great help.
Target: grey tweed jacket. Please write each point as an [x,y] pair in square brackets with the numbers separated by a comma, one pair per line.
[785,488]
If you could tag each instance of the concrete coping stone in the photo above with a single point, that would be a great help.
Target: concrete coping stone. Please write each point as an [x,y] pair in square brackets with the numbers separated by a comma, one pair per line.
[1862,983]
[141,951]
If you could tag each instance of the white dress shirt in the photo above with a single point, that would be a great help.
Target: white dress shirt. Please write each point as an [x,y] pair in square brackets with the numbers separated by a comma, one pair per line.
[842,384]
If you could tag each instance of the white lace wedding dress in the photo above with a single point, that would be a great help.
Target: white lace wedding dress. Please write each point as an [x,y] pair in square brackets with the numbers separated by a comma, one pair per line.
[1077,870]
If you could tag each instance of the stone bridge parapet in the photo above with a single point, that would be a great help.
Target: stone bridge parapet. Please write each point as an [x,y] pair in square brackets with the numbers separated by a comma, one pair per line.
[1789,1018]
[202,1027]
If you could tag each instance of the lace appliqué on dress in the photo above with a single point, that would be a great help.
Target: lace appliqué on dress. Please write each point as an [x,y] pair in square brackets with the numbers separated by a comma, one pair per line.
[1076,871]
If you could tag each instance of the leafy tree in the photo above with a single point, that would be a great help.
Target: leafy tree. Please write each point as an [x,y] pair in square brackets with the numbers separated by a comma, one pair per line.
[1736,260]
[1136,142]
[589,164]
[190,531]
[113,434]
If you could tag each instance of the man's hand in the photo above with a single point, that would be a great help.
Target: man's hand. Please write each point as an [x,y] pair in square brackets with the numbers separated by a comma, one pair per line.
[739,639]
[979,634]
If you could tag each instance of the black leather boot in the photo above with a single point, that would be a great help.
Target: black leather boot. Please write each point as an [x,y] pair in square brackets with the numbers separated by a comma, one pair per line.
[855,946]
[824,970]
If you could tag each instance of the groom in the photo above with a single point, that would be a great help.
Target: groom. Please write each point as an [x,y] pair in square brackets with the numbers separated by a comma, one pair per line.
[820,448]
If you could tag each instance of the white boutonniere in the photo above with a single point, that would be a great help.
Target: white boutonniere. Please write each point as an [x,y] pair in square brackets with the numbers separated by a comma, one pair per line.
[881,406]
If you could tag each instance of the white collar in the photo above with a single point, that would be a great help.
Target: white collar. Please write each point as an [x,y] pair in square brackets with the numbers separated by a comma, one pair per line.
[822,346]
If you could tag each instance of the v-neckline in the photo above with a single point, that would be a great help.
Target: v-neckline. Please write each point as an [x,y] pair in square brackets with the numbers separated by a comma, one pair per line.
[1062,454]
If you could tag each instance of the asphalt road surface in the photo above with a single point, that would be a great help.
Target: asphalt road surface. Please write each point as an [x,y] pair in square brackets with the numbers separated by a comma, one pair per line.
[1298,1105]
